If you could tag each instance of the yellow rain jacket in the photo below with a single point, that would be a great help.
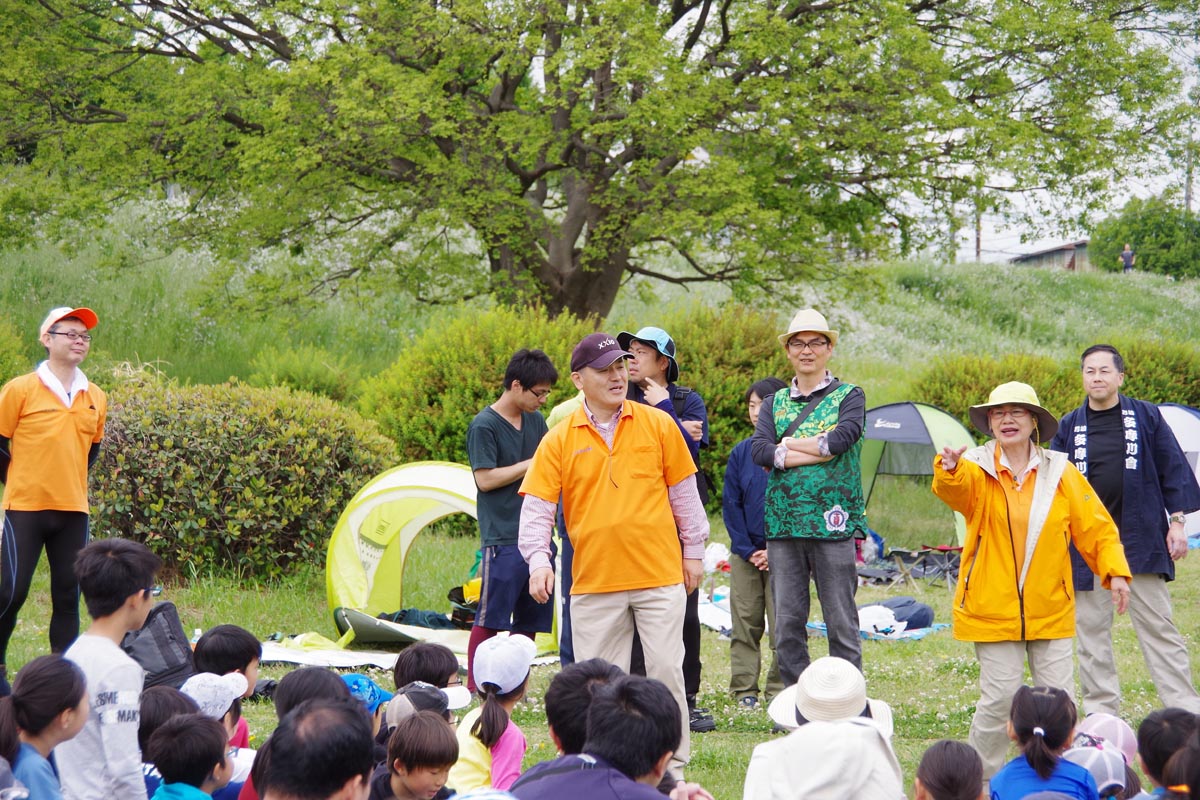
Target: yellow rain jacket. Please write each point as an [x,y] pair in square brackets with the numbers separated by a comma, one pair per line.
[996,603]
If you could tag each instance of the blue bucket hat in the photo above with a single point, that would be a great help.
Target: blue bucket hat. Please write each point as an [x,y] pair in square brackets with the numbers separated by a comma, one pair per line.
[657,338]
[366,691]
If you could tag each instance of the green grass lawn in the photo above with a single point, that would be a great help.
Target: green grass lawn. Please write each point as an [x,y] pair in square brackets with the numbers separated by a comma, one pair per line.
[931,684]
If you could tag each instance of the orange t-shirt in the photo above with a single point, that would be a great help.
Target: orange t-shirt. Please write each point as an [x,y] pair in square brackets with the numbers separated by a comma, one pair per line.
[50,444]
[615,503]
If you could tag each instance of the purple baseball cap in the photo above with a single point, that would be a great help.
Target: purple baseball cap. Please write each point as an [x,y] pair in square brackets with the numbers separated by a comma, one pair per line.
[598,351]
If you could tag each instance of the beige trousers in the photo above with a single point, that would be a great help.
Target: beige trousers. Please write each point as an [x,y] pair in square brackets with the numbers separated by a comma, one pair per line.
[1162,646]
[1001,673]
[602,626]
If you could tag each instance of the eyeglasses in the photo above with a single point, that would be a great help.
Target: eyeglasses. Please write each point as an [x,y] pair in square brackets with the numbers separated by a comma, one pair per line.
[1018,414]
[153,591]
[542,395]
[72,335]
[816,345]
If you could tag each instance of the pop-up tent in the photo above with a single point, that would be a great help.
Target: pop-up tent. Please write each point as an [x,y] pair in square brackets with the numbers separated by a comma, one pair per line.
[1185,424]
[902,439]
[364,568]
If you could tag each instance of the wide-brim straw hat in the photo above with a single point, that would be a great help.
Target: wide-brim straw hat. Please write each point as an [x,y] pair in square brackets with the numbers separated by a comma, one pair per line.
[1015,393]
[809,319]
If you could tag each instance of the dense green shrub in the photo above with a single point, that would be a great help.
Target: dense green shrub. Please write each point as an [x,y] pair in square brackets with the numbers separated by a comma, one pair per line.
[456,367]
[1156,371]
[955,383]
[307,368]
[229,476]
[721,351]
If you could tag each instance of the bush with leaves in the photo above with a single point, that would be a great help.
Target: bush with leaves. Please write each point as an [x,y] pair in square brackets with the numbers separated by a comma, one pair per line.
[229,477]
[955,383]
[1156,371]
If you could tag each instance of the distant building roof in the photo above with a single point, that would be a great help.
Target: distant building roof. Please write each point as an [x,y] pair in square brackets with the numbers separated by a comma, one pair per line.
[1062,248]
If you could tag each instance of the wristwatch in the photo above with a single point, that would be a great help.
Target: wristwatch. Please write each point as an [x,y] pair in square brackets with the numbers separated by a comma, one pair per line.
[1180,518]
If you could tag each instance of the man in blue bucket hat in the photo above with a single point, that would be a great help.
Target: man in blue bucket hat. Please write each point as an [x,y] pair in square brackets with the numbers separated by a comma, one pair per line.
[653,372]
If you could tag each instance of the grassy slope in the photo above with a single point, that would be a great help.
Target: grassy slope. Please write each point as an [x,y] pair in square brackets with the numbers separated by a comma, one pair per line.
[892,319]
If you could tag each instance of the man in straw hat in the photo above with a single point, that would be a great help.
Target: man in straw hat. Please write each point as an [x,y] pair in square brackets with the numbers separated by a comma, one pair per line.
[51,425]
[1024,507]
[1133,461]
[809,437]
[629,497]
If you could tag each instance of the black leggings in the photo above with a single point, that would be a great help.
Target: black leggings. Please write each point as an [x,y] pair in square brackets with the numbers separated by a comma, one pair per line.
[63,534]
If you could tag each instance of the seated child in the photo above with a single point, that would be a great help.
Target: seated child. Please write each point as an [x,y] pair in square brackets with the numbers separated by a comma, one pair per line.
[490,744]
[189,751]
[373,697]
[429,663]
[1042,722]
[217,696]
[1161,734]
[949,770]
[420,753]
[159,704]
[116,578]
[48,706]
[225,649]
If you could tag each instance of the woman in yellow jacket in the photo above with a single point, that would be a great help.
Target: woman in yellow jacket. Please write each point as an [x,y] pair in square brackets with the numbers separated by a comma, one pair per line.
[1024,506]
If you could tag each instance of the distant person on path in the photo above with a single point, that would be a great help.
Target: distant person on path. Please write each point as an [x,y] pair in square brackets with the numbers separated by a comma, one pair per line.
[51,425]
[1024,505]
[628,487]
[653,372]
[1131,458]
[501,441]
[809,437]
[750,598]
[1128,258]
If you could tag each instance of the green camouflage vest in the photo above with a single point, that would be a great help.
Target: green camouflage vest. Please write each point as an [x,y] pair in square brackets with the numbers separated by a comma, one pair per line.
[821,501]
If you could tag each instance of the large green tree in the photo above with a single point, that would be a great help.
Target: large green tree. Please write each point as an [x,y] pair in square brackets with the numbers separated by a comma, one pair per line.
[552,149]
[1164,236]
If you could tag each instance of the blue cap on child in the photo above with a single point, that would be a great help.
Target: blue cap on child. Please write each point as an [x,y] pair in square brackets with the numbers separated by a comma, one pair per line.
[366,691]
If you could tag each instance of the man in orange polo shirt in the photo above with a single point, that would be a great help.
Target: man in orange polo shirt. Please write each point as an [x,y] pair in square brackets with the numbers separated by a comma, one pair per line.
[51,425]
[629,498]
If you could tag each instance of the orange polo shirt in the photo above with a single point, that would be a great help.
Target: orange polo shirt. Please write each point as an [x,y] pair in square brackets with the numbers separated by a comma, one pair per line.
[615,503]
[50,444]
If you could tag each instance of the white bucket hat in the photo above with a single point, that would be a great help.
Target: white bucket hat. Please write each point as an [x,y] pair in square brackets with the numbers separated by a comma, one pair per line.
[829,690]
[809,319]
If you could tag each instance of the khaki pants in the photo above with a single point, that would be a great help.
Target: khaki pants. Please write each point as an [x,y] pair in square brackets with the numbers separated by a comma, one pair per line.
[750,603]
[602,627]
[1162,646]
[1001,673]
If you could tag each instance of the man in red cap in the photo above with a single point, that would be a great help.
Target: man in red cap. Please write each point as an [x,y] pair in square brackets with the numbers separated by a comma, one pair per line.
[51,425]
[628,486]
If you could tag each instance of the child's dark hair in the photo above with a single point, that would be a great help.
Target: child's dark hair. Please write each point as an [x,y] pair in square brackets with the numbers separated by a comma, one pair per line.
[425,661]
[159,704]
[112,570]
[493,719]
[1043,718]
[226,648]
[1161,734]
[187,748]
[308,683]
[1177,772]
[764,388]
[632,723]
[1133,784]
[569,697]
[424,739]
[951,770]
[43,689]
